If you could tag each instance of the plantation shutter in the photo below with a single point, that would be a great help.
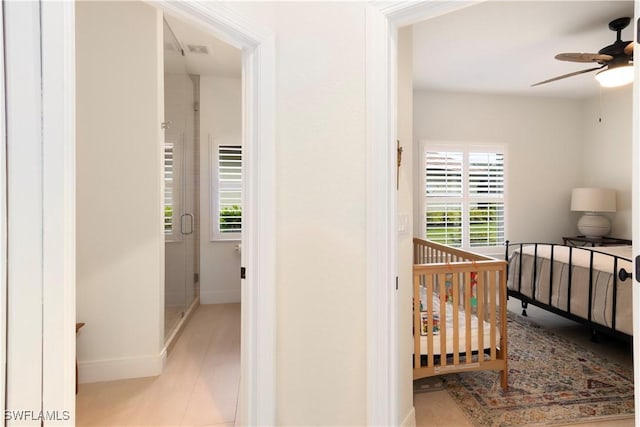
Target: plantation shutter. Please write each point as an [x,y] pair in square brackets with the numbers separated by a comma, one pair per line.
[486,209]
[486,174]
[444,174]
[230,188]
[169,187]
[464,198]
[444,182]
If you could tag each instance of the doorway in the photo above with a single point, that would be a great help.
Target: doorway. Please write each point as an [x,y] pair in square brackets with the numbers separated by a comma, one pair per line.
[57,104]
[386,22]
[134,97]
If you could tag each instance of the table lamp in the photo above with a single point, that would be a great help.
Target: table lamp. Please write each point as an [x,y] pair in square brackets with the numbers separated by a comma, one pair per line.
[591,201]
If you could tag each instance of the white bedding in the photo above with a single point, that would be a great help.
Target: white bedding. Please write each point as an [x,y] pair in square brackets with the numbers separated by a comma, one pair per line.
[558,294]
[581,257]
[462,337]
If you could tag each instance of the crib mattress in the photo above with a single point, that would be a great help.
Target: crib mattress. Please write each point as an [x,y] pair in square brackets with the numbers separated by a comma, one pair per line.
[462,336]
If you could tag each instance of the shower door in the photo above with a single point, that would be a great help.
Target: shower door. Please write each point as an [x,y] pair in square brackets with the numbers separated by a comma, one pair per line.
[180,189]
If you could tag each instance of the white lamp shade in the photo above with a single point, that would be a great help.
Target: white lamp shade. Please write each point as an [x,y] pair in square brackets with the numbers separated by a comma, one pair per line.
[593,200]
[614,77]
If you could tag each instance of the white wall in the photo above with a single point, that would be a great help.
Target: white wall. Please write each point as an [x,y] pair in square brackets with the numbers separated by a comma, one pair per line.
[220,122]
[607,125]
[405,235]
[544,138]
[320,205]
[119,167]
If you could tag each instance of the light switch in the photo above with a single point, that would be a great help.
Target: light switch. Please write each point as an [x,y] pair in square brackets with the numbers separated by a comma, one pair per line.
[403,223]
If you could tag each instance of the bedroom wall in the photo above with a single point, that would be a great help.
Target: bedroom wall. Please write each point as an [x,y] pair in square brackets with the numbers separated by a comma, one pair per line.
[120,246]
[221,119]
[544,139]
[607,155]
[405,226]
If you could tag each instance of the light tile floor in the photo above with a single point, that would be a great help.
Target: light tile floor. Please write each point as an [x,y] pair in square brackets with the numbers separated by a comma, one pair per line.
[199,385]
[438,409]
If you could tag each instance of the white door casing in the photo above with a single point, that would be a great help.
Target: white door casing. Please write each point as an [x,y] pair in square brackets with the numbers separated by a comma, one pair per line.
[635,189]
[257,388]
[40,197]
[3,221]
[43,171]
[383,20]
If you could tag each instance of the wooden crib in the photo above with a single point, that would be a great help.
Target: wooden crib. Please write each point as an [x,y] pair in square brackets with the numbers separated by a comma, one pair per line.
[467,294]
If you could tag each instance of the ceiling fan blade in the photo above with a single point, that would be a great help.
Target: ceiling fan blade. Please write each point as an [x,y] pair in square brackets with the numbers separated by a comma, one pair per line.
[584,57]
[628,49]
[575,73]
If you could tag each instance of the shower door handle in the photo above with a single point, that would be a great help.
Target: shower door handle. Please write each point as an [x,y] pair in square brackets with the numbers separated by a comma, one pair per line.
[182,227]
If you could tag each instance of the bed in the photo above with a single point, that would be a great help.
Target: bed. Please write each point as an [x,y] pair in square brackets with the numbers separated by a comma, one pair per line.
[460,320]
[580,283]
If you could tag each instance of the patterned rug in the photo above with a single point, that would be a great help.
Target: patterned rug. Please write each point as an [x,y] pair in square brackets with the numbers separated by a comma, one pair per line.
[552,381]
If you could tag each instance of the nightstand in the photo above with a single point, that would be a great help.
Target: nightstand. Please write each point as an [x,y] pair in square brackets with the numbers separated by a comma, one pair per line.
[594,241]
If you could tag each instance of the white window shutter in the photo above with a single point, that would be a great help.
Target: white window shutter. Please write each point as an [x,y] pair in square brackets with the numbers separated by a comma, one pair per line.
[229,213]
[169,188]
[464,197]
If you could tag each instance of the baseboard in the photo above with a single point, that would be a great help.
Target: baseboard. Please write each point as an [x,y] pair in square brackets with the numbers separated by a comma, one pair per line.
[177,331]
[122,368]
[410,419]
[219,297]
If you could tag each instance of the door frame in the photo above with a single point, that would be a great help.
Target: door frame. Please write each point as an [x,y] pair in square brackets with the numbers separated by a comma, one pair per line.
[635,209]
[383,21]
[257,388]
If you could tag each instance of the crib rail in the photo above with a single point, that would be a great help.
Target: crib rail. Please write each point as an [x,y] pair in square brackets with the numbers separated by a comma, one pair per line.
[459,311]
[428,252]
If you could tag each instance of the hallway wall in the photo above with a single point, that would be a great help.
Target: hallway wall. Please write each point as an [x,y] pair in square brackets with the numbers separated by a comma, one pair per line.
[220,123]
[119,167]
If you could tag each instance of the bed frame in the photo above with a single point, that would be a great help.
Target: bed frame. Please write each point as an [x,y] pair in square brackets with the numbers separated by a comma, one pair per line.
[618,275]
[471,284]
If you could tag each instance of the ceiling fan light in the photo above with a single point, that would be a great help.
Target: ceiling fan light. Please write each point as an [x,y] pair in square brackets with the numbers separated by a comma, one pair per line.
[614,77]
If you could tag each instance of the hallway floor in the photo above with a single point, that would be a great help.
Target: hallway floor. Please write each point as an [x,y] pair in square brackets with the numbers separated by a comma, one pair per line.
[438,409]
[199,385]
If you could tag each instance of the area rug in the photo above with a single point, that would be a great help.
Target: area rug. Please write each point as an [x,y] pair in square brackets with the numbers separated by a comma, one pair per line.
[552,381]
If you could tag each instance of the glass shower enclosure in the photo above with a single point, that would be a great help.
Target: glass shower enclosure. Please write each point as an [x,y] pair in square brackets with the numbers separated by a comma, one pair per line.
[181,184]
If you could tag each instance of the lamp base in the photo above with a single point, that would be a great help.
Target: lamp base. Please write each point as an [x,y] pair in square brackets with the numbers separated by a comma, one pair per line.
[593,225]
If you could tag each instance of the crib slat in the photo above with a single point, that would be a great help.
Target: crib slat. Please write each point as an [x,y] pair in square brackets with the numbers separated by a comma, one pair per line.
[442,283]
[416,318]
[468,355]
[430,311]
[456,321]
[492,312]
[480,287]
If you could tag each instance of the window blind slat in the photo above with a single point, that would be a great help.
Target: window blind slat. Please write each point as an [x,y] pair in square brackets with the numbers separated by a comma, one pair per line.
[230,187]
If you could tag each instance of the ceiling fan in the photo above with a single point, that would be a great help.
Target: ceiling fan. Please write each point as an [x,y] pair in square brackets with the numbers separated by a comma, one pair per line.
[615,60]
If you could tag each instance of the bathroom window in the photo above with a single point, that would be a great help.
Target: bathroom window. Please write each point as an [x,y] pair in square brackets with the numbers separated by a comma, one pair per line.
[226,162]
[171,196]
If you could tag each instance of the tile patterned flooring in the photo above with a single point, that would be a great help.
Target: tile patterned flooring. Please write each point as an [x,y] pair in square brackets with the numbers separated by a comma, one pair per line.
[199,385]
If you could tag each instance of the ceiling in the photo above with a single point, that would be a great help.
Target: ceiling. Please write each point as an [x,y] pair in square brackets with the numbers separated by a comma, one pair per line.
[503,47]
[222,59]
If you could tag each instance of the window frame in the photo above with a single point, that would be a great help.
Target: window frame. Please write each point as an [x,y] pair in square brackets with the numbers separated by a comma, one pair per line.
[215,235]
[466,199]
[175,235]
